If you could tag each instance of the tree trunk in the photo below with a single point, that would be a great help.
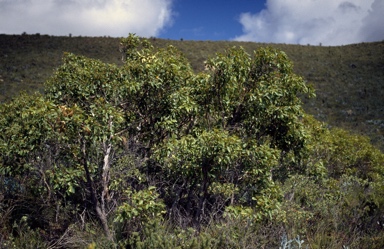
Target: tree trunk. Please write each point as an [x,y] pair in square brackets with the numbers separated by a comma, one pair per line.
[203,193]
[100,209]
[103,220]
[105,192]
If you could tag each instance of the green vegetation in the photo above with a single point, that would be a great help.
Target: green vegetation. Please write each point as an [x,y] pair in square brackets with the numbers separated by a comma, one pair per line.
[348,79]
[154,153]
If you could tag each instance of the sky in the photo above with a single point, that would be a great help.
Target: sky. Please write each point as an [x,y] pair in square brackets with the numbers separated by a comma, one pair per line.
[326,22]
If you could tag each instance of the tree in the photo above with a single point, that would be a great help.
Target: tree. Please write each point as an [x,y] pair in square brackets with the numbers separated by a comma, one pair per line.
[113,109]
[249,119]
[212,143]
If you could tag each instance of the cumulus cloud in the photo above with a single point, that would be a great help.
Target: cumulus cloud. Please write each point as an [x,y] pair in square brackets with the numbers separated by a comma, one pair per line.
[85,17]
[330,22]
[372,28]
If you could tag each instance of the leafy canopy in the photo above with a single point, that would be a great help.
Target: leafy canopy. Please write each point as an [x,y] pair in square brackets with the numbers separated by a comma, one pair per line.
[209,142]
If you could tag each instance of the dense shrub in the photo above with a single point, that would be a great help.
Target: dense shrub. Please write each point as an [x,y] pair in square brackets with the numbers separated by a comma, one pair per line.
[156,156]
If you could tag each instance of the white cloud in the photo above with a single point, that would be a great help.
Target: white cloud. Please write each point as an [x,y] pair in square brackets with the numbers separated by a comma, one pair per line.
[373,28]
[85,17]
[330,22]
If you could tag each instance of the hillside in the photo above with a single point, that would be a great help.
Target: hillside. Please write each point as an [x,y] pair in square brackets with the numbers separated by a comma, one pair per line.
[349,80]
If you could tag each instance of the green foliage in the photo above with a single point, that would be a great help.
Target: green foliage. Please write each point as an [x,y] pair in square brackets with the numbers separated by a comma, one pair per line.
[248,118]
[141,206]
[25,237]
[160,103]
[347,79]
[353,155]
[159,235]
[223,155]
[138,210]
[26,126]
[340,194]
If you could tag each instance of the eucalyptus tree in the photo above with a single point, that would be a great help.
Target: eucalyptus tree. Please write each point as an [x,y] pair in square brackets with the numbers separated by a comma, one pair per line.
[247,131]
[212,143]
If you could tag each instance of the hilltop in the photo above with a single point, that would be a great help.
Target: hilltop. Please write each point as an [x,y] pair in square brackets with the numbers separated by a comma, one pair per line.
[349,80]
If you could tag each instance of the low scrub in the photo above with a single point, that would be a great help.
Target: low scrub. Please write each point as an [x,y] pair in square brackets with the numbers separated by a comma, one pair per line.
[153,155]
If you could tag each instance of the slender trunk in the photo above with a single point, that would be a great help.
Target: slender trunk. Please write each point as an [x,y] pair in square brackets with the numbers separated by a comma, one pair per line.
[203,196]
[100,210]
[105,192]
[190,202]
[103,220]
[105,175]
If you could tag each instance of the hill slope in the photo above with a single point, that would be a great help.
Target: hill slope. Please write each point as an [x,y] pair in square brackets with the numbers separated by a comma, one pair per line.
[349,80]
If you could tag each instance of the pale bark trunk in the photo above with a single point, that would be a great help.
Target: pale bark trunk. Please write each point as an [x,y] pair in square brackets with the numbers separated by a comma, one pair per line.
[105,192]
[99,207]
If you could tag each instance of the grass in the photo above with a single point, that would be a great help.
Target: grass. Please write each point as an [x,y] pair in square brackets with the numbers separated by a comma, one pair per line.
[349,80]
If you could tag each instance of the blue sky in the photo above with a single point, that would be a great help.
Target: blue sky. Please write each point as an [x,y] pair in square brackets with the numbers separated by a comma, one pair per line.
[209,20]
[329,22]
